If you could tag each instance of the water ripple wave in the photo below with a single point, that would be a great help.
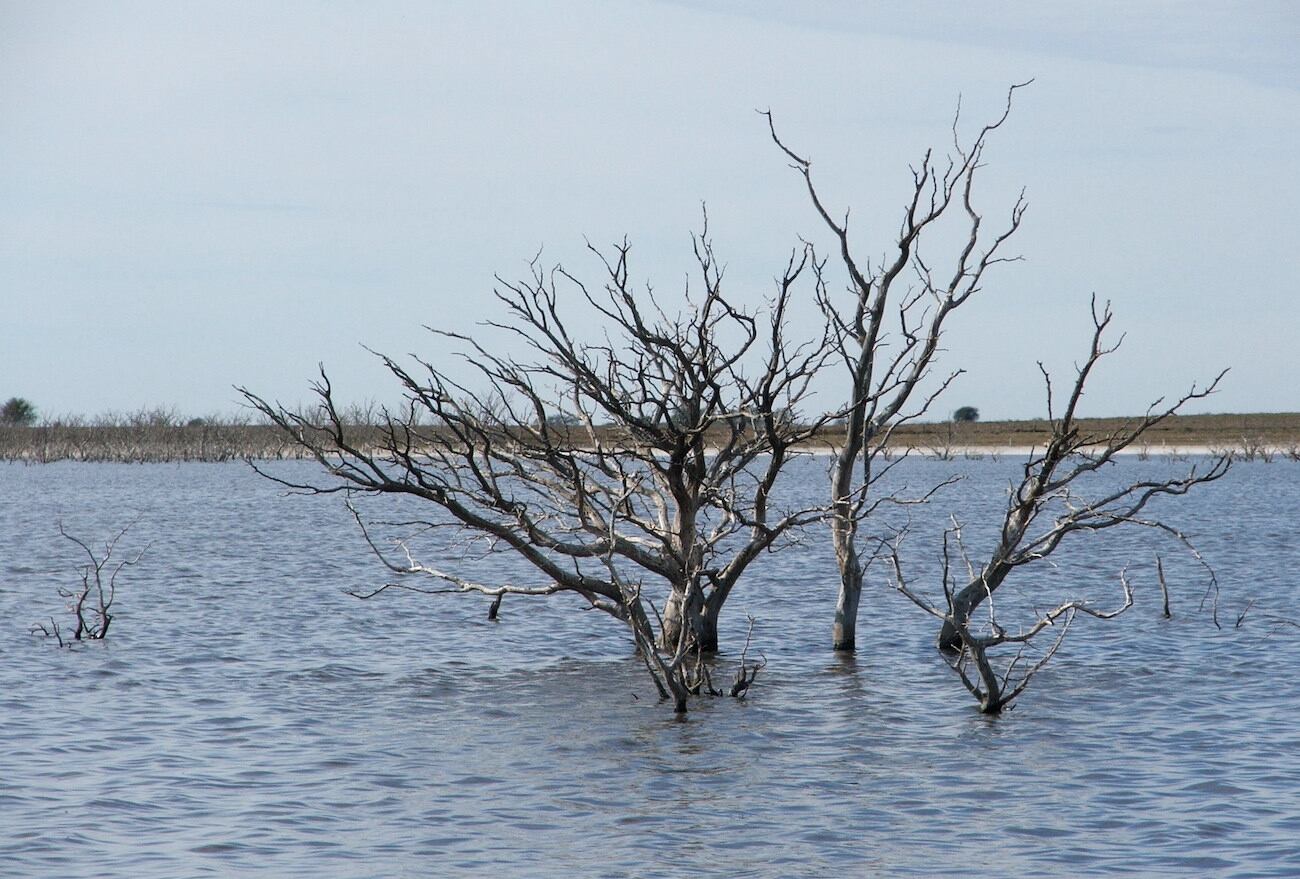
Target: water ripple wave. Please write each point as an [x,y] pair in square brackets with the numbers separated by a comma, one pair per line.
[247,718]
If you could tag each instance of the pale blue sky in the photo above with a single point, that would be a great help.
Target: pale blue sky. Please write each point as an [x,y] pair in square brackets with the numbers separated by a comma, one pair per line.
[196,195]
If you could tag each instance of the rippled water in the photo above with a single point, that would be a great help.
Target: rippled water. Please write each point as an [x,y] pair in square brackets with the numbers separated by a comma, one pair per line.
[247,718]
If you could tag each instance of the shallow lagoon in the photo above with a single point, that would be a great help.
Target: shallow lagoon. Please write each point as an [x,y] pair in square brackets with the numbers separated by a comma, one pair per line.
[247,718]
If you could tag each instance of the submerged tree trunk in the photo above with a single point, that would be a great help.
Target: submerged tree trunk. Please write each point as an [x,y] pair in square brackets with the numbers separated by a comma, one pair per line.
[667,677]
[844,528]
[991,698]
[964,603]
[686,609]
[844,632]
[949,636]
[706,629]
[673,620]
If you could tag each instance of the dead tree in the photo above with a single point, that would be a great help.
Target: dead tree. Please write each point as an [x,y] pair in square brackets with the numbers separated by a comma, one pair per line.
[1053,487]
[635,470]
[887,335]
[974,661]
[91,603]
[1055,498]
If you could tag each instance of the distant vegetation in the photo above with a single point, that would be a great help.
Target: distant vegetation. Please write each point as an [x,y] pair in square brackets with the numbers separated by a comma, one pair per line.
[156,435]
[162,435]
[17,412]
[966,414]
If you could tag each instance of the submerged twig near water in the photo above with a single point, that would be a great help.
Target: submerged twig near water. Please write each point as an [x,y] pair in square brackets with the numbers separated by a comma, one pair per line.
[746,673]
[91,602]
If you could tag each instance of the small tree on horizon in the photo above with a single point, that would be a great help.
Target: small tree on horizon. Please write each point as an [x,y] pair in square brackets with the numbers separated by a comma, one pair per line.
[966,414]
[17,412]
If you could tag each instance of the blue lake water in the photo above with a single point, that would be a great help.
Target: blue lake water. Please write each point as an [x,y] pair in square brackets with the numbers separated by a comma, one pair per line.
[246,717]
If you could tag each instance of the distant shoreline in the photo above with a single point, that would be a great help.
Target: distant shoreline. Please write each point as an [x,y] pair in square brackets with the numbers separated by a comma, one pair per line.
[1251,435]
[1263,435]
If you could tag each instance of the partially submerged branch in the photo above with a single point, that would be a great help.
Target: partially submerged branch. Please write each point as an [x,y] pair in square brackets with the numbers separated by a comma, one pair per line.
[91,602]
[1053,488]
[996,684]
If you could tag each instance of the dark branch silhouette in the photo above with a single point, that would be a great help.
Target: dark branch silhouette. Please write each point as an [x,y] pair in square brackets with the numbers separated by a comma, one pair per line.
[637,465]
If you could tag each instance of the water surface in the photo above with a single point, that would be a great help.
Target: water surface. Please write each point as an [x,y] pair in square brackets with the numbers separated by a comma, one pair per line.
[246,717]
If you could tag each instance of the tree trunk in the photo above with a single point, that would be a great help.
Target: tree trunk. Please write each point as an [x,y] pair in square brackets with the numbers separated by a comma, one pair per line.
[991,699]
[706,628]
[687,609]
[967,599]
[949,638]
[668,681]
[844,632]
[670,631]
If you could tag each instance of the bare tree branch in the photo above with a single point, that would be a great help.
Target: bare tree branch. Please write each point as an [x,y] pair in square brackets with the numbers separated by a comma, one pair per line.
[649,454]
[91,602]
[884,373]
[1052,487]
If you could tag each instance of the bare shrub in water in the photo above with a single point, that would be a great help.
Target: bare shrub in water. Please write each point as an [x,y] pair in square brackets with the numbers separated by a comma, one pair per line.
[91,603]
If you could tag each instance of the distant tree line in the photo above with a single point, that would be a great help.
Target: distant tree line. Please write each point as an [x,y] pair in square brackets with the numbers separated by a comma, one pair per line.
[155,434]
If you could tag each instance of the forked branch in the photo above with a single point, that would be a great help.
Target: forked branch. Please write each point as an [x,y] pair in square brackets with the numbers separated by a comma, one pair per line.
[1057,495]
[91,602]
